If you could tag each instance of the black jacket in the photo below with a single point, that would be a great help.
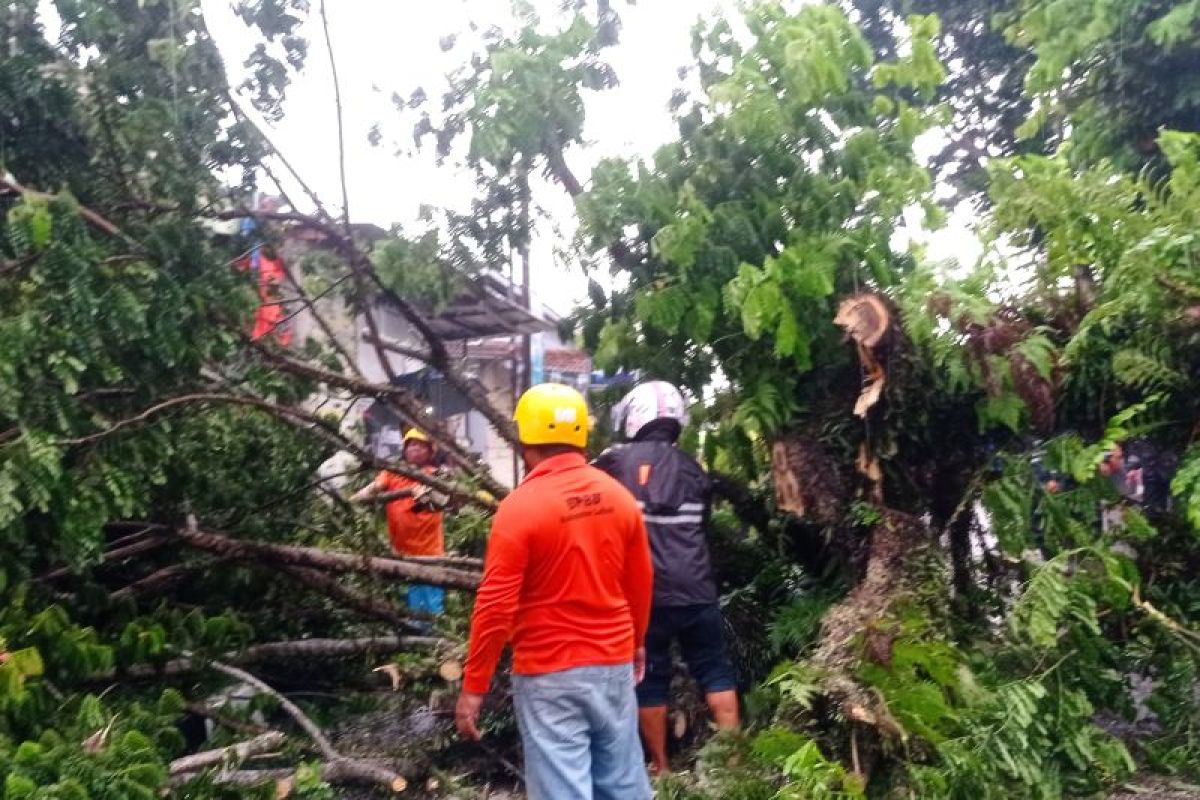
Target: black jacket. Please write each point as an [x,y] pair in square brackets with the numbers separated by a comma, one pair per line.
[675,495]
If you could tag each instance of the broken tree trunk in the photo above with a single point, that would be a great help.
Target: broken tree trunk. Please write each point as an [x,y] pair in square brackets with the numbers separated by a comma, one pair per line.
[807,480]
[247,550]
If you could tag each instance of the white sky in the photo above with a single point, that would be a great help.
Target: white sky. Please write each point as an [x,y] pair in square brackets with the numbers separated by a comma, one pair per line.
[392,46]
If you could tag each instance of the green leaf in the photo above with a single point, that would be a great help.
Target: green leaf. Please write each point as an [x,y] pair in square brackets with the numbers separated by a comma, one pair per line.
[28,662]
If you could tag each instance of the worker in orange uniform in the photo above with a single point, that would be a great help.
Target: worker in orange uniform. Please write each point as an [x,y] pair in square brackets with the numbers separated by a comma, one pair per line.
[414,517]
[568,580]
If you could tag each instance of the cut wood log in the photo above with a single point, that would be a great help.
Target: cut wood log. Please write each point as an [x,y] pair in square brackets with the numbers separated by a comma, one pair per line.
[245,549]
[451,670]
[867,320]
[807,480]
[233,754]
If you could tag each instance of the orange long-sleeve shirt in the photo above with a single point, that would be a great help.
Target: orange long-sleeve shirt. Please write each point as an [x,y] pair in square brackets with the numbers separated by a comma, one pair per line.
[567,577]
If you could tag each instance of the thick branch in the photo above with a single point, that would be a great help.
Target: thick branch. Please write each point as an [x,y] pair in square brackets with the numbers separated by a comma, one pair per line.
[397,397]
[155,582]
[281,651]
[336,590]
[139,543]
[343,771]
[299,556]
[234,753]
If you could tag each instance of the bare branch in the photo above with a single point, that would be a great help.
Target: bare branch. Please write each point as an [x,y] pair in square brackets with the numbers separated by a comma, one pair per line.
[313,557]
[298,418]
[337,101]
[353,769]
[233,754]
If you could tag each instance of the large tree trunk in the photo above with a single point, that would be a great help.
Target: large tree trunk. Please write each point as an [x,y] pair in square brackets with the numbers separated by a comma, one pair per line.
[852,629]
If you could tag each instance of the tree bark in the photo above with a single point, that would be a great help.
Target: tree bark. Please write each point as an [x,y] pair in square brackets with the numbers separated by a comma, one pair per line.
[278,651]
[154,582]
[236,753]
[960,557]
[247,550]
[341,771]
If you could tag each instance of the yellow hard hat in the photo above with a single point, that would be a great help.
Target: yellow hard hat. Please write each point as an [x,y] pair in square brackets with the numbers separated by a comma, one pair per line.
[551,413]
[419,435]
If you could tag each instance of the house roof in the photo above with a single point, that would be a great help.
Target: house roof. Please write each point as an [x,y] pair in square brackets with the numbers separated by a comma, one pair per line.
[568,360]
[488,307]
[562,359]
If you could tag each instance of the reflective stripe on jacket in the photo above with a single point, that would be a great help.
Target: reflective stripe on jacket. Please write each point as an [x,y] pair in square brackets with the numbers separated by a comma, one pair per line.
[674,494]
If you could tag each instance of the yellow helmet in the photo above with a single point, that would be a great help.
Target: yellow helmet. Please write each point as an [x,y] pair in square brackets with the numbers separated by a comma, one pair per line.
[551,413]
[419,435]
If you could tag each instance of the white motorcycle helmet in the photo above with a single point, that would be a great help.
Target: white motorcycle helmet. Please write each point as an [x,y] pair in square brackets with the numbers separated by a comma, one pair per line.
[647,402]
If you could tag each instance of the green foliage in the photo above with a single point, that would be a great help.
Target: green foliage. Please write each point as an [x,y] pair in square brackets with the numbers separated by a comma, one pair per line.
[1186,488]
[1107,69]
[414,270]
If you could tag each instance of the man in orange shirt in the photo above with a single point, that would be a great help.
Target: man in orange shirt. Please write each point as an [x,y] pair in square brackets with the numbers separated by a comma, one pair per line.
[567,579]
[414,517]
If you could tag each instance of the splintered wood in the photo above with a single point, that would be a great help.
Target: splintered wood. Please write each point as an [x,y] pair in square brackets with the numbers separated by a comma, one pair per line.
[866,320]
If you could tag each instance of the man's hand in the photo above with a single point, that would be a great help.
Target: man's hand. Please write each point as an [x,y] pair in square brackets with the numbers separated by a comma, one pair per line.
[466,715]
[639,665]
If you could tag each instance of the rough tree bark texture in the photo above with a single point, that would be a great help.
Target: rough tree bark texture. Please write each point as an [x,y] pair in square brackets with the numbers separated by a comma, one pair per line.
[807,480]
[897,541]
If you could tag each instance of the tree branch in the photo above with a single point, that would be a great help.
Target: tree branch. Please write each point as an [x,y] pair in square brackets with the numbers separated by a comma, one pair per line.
[337,101]
[293,416]
[94,219]
[223,756]
[313,557]
[335,590]
[353,769]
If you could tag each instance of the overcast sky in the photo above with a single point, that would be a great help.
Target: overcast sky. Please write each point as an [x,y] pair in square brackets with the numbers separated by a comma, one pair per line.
[392,46]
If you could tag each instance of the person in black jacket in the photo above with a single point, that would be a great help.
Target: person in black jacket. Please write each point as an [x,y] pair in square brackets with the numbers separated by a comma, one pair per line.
[675,496]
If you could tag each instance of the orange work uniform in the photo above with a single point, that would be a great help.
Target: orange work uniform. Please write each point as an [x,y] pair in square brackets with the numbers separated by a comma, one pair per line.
[414,532]
[567,577]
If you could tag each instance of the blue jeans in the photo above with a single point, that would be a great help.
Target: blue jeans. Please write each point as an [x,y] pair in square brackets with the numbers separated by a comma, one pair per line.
[429,599]
[580,731]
